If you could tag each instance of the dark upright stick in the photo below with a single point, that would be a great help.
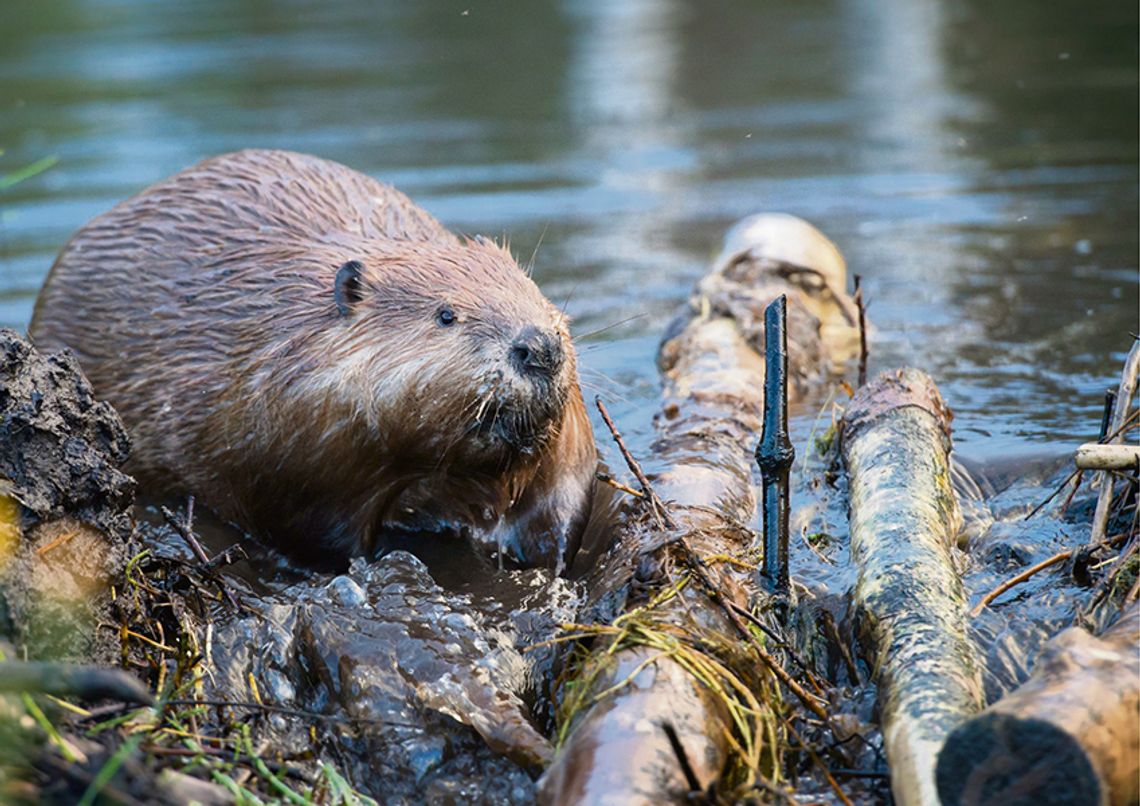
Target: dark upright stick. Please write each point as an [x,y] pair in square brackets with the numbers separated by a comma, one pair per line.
[1106,417]
[775,453]
[859,304]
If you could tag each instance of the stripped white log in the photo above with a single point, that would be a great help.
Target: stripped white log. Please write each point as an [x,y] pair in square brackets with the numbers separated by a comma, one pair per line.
[904,524]
[1096,456]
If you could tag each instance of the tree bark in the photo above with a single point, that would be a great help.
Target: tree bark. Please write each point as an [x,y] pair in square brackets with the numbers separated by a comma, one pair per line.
[617,750]
[904,524]
[1069,734]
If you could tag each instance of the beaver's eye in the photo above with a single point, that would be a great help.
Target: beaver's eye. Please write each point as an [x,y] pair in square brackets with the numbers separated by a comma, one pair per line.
[446,317]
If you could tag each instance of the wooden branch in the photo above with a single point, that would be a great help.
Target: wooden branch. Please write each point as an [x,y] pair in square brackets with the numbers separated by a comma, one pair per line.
[1069,734]
[1095,456]
[66,680]
[1120,415]
[775,453]
[862,307]
[904,524]
[1059,557]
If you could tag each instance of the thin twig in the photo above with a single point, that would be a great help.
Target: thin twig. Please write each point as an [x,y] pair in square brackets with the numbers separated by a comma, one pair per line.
[233,554]
[784,645]
[1073,492]
[861,307]
[878,776]
[1059,557]
[185,529]
[682,758]
[280,709]
[59,541]
[839,793]
[832,630]
[1052,495]
[659,511]
[605,478]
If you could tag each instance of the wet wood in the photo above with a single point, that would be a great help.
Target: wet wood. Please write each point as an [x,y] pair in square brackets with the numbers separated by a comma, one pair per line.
[904,524]
[617,750]
[1095,456]
[775,453]
[64,680]
[1115,427]
[1069,734]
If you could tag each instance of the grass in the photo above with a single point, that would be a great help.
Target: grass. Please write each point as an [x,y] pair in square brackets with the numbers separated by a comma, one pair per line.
[54,750]
[19,175]
[722,665]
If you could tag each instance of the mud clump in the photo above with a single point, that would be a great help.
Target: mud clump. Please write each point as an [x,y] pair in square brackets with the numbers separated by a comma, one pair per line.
[65,506]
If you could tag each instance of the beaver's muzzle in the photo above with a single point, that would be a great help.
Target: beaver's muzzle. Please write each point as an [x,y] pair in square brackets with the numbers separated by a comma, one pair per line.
[537,354]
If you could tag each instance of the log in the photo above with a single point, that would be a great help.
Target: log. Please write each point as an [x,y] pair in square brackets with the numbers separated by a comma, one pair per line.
[1069,734]
[651,673]
[904,521]
[1095,456]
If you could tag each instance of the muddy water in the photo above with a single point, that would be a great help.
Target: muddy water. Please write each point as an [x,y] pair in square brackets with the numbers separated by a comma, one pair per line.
[976,162]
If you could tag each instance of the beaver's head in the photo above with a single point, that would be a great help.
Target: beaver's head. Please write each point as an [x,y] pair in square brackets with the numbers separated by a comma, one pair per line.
[448,349]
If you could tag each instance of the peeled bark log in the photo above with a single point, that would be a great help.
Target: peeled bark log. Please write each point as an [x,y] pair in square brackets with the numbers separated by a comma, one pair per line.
[617,750]
[1095,456]
[904,523]
[1069,734]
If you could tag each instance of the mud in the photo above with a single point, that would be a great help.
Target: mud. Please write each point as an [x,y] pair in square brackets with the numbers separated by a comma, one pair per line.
[424,675]
[60,451]
[429,692]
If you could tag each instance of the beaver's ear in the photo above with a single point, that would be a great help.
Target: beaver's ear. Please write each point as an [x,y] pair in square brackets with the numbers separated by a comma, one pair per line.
[347,289]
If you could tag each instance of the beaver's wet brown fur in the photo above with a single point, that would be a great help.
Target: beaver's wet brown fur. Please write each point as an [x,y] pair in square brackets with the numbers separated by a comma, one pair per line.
[320,361]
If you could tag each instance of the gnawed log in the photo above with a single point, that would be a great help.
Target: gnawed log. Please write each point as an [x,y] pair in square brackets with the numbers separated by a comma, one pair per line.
[662,606]
[904,524]
[1069,734]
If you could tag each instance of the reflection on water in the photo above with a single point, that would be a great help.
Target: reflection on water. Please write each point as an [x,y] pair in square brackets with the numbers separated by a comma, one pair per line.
[976,162]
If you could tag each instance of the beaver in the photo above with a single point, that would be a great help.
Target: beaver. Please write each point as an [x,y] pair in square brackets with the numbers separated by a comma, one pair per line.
[322,363]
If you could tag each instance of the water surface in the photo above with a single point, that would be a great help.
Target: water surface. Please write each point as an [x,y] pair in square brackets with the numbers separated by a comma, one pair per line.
[976,163]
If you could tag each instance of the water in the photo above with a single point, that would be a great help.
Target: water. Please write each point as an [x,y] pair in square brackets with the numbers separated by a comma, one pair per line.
[976,164]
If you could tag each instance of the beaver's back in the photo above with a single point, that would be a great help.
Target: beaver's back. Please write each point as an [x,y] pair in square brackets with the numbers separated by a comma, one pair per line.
[175,292]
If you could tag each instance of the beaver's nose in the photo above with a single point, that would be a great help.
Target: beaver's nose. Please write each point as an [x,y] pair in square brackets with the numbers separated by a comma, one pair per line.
[537,352]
